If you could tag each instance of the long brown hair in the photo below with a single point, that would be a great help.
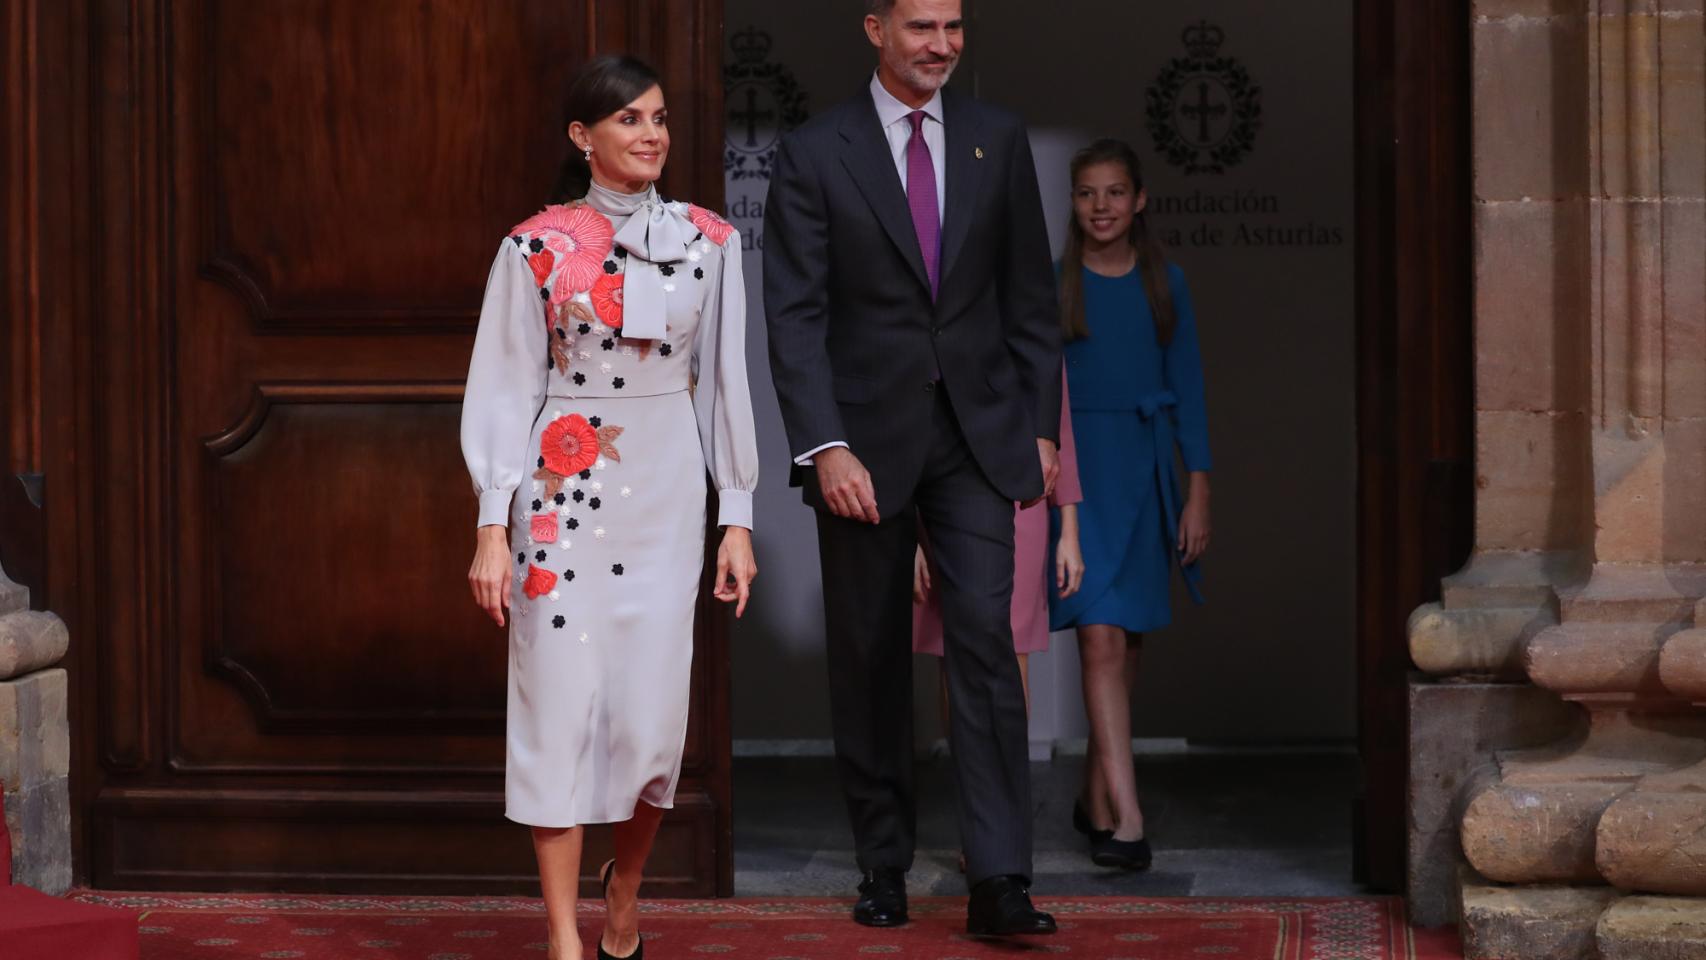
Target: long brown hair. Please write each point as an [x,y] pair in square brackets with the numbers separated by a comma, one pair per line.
[1151,256]
[605,85]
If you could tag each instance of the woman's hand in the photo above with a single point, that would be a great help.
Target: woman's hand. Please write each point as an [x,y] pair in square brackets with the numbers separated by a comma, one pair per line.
[1193,521]
[735,568]
[488,576]
[1068,558]
[920,576]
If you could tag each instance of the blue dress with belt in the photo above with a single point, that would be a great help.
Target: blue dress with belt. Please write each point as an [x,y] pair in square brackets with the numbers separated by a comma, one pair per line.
[1134,402]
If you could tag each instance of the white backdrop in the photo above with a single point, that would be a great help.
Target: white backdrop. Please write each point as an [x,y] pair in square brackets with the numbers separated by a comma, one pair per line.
[1266,246]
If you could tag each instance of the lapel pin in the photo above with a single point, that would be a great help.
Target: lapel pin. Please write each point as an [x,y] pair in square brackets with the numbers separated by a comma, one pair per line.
[979,152]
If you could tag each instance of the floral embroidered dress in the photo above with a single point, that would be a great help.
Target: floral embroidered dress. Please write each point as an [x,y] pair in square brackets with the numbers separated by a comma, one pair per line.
[609,374]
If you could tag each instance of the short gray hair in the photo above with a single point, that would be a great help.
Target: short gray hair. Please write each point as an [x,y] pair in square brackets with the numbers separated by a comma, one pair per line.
[879,8]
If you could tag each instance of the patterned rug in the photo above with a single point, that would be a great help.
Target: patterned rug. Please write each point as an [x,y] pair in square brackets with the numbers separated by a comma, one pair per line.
[274,927]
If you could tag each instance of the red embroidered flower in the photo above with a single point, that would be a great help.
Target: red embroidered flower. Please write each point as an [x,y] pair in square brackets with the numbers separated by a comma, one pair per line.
[712,226]
[539,582]
[569,445]
[545,527]
[580,237]
[541,263]
[607,300]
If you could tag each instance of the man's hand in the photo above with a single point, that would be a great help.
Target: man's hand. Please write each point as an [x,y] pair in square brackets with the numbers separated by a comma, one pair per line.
[846,485]
[1050,458]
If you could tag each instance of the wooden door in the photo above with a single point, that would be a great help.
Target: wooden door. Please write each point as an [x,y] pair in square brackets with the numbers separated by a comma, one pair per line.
[280,215]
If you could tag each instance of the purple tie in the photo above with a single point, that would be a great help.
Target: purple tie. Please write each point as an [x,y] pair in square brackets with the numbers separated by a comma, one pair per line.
[921,197]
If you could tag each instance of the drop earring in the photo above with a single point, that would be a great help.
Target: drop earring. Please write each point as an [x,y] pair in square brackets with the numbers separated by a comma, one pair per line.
[588,154]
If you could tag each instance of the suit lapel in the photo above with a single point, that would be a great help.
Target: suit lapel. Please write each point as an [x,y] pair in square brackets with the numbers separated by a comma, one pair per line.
[963,172]
[871,165]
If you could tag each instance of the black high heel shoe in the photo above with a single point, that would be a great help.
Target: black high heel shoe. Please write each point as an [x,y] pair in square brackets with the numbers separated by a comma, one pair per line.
[604,891]
[1081,823]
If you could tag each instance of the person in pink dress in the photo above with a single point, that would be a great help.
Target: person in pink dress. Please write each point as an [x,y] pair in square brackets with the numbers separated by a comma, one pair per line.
[1030,567]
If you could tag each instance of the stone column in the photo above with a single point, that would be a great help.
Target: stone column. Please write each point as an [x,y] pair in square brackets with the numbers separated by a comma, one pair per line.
[1590,251]
[35,742]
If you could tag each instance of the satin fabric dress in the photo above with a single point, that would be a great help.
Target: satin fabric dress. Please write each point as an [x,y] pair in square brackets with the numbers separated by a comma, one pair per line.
[1137,407]
[1033,567]
[588,428]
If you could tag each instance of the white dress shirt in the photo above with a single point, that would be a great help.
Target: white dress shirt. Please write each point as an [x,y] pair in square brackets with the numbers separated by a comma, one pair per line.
[893,116]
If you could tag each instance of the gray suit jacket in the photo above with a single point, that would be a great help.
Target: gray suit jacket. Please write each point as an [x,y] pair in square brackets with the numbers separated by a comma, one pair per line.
[854,336]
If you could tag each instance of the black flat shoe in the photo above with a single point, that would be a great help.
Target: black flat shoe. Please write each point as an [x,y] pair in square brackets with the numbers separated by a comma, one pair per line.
[1081,822]
[1124,854]
[604,891]
[882,898]
[1000,906]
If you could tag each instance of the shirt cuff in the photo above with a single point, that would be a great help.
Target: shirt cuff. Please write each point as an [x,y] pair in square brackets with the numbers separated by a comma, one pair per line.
[805,459]
[734,508]
[494,507]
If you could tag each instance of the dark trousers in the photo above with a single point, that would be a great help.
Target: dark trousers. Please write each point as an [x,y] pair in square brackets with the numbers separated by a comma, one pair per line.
[867,590]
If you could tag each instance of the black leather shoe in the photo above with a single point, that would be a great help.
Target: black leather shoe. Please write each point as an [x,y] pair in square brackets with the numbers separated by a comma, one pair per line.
[1082,823]
[1001,907]
[1124,854]
[882,898]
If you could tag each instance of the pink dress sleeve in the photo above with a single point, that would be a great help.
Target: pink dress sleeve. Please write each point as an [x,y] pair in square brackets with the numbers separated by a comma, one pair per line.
[1066,489]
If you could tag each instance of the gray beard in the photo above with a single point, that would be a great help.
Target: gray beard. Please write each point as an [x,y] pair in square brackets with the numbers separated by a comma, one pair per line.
[919,80]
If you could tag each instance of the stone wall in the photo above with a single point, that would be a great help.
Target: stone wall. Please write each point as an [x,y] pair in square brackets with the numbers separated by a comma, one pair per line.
[1585,588]
[35,742]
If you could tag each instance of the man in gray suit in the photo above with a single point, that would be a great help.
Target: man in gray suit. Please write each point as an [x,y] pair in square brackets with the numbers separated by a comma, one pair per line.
[915,348]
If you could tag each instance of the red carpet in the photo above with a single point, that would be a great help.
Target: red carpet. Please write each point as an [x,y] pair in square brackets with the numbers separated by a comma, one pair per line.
[271,926]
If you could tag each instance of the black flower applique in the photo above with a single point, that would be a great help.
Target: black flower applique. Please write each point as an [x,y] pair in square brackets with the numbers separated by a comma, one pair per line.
[541,461]
[559,499]
[594,503]
[698,273]
[618,383]
[596,422]
[572,523]
[610,267]
[665,349]
[538,506]
[616,568]
[584,329]
[580,379]
[608,344]
[568,575]
[558,621]
[579,495]
[561,333]
[622,252]
[586,474]
[536,245]
[539,557]
[521,558]
[544,294]
[517,239]
[667,270]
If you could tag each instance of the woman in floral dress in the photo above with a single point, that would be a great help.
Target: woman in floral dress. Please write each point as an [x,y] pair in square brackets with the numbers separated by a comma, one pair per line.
[608,375]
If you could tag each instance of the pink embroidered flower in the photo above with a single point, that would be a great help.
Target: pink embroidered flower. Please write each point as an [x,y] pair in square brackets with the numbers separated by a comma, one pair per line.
[544,528]
[569,445]
[539,582]
[541,263]
[580,237]
[607,300]
[715,228]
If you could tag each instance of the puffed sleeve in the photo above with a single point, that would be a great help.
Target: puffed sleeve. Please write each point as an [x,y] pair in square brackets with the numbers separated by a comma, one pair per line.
[506,384]
[1183,368]
[720,395]
[1066,486]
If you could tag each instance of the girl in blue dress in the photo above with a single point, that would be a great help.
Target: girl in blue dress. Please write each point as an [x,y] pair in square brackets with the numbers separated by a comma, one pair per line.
[1137,404]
